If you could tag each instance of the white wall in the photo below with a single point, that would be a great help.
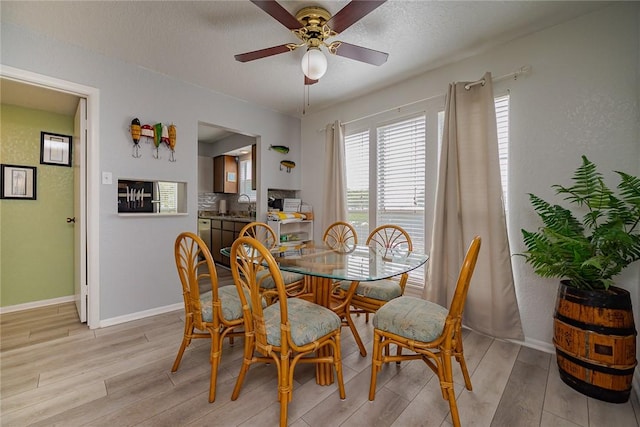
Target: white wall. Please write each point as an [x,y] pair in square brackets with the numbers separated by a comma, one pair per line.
[137,270]
[581,98]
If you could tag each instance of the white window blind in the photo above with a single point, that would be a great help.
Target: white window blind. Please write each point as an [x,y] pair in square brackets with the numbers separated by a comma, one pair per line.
[401,148]
[357,159]
[502,123]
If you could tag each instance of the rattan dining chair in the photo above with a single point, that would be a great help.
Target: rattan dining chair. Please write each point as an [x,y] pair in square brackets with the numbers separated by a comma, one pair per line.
[429,331]
[214,314]
[285,333]
[294,282]
[341,236]
[370,296]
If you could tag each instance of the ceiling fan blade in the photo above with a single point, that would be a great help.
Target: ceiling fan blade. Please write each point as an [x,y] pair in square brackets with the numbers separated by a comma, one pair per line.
[279,13]
[309,82]
[360,53]
[262,53]
[352,13]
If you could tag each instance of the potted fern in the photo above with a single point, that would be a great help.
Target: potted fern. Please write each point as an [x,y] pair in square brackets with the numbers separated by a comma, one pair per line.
[594,332]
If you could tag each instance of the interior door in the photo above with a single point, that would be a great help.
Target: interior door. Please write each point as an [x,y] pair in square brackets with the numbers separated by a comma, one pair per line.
[79,209]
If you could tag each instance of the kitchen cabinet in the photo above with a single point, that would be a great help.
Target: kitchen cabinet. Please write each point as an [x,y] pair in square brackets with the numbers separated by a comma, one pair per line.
[223,234]
[216,240]
[225,174]
[296,231]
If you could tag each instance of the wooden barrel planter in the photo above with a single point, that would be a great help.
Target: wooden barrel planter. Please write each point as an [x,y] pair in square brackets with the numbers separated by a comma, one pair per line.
[595,340]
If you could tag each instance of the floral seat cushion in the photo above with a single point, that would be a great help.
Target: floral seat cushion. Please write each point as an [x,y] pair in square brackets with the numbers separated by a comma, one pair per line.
[411,318]
[229,300]
[308,321]
[383,290]
[265,280]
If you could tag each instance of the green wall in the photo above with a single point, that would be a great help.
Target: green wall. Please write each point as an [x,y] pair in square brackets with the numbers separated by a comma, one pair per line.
[36,243]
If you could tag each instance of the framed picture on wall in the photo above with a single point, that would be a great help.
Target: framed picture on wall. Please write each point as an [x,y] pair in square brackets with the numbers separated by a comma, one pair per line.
[18,182]
[55,149]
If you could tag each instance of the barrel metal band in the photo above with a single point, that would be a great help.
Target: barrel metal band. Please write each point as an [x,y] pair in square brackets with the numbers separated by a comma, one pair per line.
[595,367]
[605,330]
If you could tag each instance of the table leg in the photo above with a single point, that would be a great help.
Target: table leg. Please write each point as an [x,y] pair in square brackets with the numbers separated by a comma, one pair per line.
[321,288]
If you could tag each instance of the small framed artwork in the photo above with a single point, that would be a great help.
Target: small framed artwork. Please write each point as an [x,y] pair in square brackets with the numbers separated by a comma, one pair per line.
[18,182]
[55,149]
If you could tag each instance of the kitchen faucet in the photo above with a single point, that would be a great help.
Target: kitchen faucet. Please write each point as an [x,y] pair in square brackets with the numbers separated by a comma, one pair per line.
[243,195]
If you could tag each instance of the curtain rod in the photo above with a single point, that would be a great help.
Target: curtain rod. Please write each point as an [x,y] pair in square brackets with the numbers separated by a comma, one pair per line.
[525,69]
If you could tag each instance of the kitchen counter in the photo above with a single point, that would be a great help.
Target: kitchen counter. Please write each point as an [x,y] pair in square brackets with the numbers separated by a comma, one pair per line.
[246,219]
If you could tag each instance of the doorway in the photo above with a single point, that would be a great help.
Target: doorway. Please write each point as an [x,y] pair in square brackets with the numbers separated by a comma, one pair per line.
[214,141]
[45,93]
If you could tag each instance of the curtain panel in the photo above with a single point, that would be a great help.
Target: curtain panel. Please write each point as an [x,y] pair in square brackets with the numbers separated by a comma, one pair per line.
[335,177]
[469,203]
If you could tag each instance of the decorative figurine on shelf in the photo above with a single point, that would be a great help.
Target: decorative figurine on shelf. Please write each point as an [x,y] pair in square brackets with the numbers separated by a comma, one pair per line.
[135,135]
[288,165]
[157,137]
[147,132]
[172,142]
[279,148]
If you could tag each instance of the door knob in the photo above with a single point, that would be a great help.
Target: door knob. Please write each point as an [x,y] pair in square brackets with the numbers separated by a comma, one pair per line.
[70,220]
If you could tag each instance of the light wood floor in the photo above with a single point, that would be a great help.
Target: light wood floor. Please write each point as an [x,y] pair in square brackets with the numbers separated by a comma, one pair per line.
[56,372]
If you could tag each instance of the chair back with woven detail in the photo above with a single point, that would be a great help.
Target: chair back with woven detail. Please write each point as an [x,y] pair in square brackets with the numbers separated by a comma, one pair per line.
[341,236]
[370,296]
[429,332]
[263,233]
[284,333]
[215,313]
[389,236]
[247,264]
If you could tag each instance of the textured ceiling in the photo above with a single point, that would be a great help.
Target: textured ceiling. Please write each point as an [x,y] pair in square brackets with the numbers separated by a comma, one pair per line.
[195,41]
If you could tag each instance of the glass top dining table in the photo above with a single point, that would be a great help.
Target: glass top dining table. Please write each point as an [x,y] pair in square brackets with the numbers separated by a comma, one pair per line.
[353,263]
[322,265]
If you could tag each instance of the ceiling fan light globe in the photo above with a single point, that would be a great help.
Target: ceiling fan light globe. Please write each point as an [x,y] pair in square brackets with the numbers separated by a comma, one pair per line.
[314,64]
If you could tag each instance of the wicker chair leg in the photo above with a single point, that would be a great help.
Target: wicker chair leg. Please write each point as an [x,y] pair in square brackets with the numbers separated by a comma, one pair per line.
[455,416]
[284,388]
[337,361]
[446,384]
[376,362]
[459,354]
[186,340]
[214,358]
[246,362]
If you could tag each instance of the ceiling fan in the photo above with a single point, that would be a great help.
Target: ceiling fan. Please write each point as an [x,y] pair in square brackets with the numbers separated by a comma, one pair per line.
[313,26]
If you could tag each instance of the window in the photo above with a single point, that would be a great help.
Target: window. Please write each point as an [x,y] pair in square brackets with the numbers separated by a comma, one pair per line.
[400,181]
[502,123]
[357,157]
[390,188]
[246,178]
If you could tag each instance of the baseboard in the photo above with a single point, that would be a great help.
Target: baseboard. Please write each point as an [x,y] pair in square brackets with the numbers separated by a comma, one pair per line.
[36,304]
[140,315]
